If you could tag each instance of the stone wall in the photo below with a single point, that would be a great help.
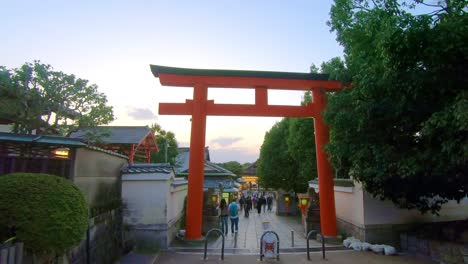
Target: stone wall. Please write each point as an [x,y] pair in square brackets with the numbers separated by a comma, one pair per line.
[103,242]
[97,174]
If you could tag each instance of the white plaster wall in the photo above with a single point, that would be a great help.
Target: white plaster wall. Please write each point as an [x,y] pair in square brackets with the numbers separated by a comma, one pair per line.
[93,169]
[349,205]
[175,200]
[6,128]
[358,207]
[145,201]
[385,212]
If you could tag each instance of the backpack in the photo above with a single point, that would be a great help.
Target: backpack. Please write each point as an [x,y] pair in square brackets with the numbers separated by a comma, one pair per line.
[233,210]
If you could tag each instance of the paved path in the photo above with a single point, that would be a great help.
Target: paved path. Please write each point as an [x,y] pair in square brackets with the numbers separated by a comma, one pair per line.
[332,257]
[251,229]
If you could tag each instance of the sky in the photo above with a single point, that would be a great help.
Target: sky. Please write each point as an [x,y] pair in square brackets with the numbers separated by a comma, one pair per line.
[112,44]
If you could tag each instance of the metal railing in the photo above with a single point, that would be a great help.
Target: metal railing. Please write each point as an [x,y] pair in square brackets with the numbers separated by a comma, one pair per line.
[312,232]
[277,244]
[206,242]
[11,252]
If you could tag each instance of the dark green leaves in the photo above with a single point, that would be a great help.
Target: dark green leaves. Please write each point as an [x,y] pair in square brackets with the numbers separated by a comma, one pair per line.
[35,97]
[401,130]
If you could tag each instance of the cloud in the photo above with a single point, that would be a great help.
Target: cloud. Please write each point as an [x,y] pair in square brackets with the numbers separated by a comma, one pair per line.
[141,113]
[241,155]
[224,141]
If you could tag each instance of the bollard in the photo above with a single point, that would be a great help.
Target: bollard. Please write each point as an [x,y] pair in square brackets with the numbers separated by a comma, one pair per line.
[235,240]
[292,238]
[206,242]
[323,246]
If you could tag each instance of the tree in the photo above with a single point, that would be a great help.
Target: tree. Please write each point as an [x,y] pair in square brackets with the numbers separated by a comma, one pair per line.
[167,145]
[35,97]
[233,166]
[276,168]
[46,212]
[402,128]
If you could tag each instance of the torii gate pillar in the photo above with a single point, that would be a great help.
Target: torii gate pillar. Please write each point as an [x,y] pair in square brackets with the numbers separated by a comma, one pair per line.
[324,169]
[197,164]
[200,107]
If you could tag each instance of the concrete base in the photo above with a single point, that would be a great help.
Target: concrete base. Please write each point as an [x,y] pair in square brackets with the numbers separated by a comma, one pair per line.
[338,240]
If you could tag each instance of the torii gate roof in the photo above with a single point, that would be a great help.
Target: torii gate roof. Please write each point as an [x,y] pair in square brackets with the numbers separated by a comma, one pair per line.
[187,77]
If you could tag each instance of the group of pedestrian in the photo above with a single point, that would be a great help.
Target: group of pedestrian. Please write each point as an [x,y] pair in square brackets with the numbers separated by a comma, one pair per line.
[231,211]
[262,203]
[246,204]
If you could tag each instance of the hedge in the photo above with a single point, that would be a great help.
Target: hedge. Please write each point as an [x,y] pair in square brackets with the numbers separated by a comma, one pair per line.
[46,212]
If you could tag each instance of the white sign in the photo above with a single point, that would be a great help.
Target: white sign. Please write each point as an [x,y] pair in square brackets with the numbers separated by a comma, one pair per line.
[269,245]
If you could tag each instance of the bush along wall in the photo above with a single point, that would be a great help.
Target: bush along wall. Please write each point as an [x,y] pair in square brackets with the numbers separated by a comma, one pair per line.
[46,212]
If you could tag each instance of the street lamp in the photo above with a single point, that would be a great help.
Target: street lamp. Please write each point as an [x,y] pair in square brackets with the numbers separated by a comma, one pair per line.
[304,203]
[287,200]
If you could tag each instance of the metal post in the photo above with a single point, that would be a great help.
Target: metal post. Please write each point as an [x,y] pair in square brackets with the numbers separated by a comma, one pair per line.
[292,238]
[165,150]
[323,246]
[235,240]
[206,242]
[311,232]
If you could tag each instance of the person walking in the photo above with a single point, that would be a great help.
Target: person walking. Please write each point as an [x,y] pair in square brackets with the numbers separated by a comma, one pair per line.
[269,202]
[234,215]
[264,202]
[248,206]
[223,215]
[242,203]
[259,206]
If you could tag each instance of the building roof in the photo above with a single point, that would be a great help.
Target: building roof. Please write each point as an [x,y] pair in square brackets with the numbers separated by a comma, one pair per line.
[41,139]
[251,170]
[214,174]
[147,168]
[151,172]
[157,69]
[228,184]
[116,134]
[134,141]
[211,169]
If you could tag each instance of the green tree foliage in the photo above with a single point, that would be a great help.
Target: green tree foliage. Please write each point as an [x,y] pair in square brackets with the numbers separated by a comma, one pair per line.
[48,213]
[276,167]
[167,145]
[233,166]
[35,97]
[402,128]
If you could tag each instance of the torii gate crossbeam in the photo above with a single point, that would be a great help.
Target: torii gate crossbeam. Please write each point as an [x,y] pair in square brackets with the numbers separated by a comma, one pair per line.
[199,108]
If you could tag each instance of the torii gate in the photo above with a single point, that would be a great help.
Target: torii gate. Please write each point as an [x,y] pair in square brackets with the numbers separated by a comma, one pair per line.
[261,81]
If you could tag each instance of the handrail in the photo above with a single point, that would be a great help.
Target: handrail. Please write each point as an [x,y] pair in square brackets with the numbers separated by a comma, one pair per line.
[311,232]
[277,244]
[206,242]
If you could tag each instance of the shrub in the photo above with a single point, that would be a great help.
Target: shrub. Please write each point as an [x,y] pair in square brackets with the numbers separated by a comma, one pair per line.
[48,213]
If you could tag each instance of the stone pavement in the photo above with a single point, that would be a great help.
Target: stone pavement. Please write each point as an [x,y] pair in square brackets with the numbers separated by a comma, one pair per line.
[332,257]
[251,230]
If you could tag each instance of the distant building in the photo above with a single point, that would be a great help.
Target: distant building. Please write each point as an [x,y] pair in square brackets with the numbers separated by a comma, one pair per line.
[250,176]
[215,175]
[154,200]
[137,142]
[95,171]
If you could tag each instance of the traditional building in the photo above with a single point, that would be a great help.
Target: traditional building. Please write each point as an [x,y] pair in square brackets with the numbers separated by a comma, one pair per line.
[215,175]
[250,176]
[137,142]
[95,171]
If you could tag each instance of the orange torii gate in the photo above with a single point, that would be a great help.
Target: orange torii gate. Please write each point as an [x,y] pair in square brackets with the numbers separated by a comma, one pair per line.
[261,81]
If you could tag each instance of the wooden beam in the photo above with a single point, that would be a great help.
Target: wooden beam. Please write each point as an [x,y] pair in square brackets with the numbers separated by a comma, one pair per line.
[247,82]
[213,109]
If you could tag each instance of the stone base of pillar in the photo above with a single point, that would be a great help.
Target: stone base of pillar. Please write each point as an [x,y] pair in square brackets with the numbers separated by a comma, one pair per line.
[335,240]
